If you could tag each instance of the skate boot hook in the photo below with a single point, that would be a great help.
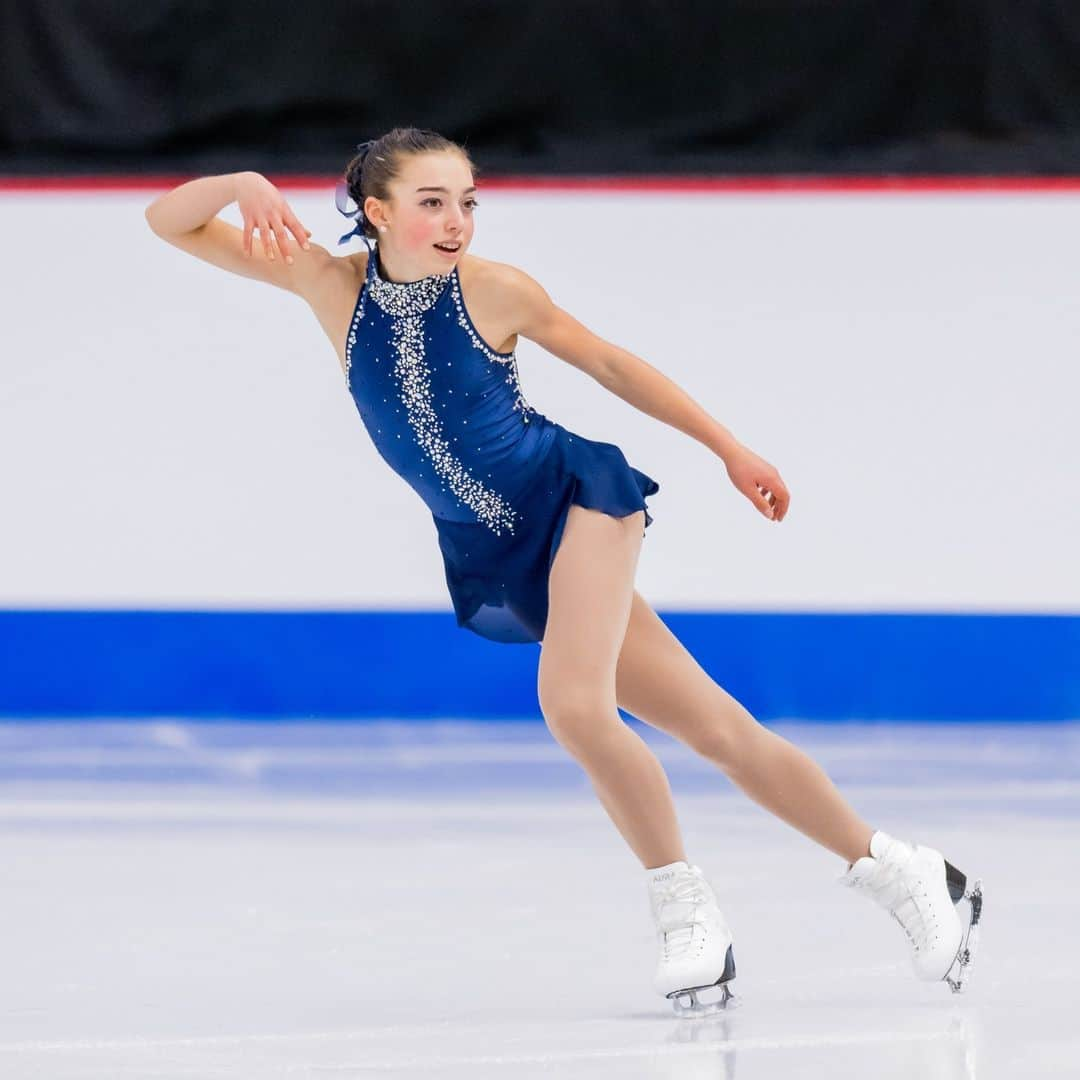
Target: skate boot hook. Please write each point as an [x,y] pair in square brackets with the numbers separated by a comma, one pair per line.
[923,893]
[695,941]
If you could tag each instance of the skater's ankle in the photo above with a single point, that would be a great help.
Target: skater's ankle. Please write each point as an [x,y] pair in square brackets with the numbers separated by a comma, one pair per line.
[864,852]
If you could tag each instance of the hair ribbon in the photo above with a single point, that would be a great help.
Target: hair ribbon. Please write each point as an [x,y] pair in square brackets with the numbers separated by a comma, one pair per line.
[341,198]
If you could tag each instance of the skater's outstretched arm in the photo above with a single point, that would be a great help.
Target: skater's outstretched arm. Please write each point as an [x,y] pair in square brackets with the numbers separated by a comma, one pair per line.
[531,313]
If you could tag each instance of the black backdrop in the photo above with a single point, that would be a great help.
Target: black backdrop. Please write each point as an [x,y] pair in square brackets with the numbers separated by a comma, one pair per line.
[736,86]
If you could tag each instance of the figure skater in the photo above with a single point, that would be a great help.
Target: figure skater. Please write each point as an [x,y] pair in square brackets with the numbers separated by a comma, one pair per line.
[540,528]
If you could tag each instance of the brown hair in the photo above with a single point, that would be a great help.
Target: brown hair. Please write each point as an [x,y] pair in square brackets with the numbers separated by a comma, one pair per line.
[370,172]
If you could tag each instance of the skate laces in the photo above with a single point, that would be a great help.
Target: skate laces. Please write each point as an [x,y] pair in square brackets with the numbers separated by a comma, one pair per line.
[676,907]
[895,890]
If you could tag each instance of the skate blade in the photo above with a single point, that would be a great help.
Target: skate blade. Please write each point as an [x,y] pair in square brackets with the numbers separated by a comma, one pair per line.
[957,976]
[687,1004]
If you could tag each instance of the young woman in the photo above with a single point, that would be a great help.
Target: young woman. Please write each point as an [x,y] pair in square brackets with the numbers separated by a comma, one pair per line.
[540,528]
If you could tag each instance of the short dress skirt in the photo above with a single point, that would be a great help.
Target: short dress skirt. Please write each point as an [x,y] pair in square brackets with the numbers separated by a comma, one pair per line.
[499,584]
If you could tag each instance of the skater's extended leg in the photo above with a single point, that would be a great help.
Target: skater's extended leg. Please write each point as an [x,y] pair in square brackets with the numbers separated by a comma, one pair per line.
[660,682]
[938,906]
[590,586]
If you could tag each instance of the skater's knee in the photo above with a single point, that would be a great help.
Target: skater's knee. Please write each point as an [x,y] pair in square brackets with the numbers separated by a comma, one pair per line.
[577,716]
[728,740]
[716,743]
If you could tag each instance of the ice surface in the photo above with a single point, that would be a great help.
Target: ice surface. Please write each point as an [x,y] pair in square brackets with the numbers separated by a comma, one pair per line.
[450,900]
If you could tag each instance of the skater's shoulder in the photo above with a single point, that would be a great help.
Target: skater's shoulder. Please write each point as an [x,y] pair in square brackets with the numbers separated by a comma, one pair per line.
[502,287]
[488,274]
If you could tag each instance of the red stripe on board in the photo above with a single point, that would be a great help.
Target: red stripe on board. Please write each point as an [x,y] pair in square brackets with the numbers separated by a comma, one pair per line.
[714,184]
[768,184]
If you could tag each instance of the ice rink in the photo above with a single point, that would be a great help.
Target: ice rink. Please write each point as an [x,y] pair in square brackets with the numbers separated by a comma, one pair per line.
[450,900]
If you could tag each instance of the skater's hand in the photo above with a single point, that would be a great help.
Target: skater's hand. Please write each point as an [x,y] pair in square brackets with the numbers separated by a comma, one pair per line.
[264,208]
[759,482]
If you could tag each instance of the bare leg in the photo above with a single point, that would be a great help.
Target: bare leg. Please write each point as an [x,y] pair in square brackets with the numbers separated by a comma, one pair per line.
[660,682]
[590,587]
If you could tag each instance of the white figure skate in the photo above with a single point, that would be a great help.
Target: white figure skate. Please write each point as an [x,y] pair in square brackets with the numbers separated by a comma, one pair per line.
[922,892]
[694,939]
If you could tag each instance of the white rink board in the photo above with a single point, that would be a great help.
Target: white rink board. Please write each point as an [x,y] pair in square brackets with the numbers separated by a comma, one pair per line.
[180,437]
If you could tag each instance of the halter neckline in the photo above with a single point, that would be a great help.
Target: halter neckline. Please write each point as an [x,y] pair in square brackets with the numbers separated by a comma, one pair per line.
[375,266]
[403,297]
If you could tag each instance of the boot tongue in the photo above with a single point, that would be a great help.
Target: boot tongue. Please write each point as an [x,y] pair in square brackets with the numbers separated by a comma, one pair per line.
[876,873]
[880,843]
[664,875]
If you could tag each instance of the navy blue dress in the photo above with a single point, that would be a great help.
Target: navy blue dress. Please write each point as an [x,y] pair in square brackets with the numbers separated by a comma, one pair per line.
[447,414]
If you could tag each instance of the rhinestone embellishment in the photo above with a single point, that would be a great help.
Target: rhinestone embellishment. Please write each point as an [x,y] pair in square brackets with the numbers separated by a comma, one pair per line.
[400,298]
[414,377]
[406,303]
[510,361]
[351,344]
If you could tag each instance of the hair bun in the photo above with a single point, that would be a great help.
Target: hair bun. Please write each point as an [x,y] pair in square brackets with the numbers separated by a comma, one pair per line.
[393,145]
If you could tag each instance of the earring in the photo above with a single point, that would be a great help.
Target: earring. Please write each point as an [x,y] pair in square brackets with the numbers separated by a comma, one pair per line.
[382,228]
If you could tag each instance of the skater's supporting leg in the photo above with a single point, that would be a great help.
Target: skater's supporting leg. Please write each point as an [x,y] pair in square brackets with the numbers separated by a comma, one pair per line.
[590,586]
[660,682]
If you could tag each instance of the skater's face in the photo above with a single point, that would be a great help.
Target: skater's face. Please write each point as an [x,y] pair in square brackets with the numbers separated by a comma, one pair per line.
[431,203]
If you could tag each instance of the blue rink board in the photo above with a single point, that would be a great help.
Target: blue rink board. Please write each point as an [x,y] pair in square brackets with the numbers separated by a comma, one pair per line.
[418,664]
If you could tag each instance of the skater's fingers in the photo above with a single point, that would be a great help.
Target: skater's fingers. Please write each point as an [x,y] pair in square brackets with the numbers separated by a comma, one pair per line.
[298,230]
[267,238]
[778,497]
[281,237]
